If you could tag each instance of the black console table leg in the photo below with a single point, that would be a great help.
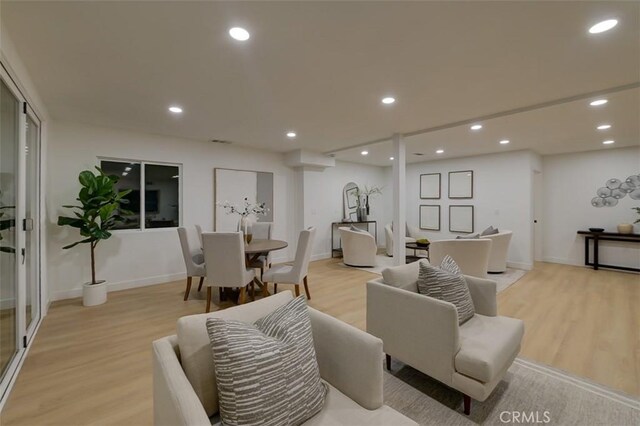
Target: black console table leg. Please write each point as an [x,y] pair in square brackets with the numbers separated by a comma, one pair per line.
[595,253]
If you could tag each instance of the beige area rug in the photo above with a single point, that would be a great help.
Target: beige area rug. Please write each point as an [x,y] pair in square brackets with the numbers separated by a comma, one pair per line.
[504,280]
[533,393]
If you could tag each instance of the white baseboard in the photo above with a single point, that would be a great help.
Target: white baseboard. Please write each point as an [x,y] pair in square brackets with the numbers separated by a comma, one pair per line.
[320,256]
[122,285]
[520,265]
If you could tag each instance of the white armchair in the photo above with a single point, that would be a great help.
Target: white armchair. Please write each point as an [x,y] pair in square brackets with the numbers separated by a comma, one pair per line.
[359,248]
[184,383]
[499,251]
[388,234]
[472,256]
[423,332]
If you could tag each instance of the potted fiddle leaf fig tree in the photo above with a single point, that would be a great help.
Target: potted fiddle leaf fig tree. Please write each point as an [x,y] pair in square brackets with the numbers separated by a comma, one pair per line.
[98,212]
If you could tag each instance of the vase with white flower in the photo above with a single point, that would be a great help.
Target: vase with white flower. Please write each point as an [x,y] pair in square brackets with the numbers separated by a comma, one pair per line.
[246,211]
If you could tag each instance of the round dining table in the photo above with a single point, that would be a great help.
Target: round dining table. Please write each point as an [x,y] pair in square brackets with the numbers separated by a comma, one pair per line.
[260,247]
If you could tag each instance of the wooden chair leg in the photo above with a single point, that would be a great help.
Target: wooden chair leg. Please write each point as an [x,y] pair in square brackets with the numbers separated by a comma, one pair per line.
[297,290]
[208,299]
[388,362]
[275,288]
[467,404]
[242,295]
[253,290]
[186,293]
[261,272]
[265,289]
[221,293]
[200,285]
[306,288]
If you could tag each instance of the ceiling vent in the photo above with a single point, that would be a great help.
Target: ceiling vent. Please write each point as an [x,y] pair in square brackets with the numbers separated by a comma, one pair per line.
[418,153]
[220,141]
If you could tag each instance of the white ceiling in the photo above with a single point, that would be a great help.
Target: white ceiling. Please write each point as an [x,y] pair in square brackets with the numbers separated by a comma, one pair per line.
[567,127]
[320,68]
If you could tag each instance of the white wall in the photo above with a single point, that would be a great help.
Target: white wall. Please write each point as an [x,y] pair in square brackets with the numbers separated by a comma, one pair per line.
[502,197]
[570,182]
[133,258]
[322,203]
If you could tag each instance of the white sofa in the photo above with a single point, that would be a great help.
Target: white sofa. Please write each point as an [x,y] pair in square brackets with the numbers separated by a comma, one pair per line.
[423,332]
[472,256]
[359,248]
[184,386]
[499,251]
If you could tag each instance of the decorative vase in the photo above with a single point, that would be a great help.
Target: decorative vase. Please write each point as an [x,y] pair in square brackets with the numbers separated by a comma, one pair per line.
[362,214]
[244,226]
[94,294]
[625,228]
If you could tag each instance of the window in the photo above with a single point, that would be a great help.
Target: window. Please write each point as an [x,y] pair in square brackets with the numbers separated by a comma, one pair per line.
[154,199]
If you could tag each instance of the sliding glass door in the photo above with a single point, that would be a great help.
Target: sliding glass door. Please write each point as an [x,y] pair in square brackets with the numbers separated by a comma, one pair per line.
[9,145]
[20,292]
[31,223]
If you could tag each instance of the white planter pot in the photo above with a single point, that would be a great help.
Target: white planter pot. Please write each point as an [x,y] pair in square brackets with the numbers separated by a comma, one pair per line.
[94,294]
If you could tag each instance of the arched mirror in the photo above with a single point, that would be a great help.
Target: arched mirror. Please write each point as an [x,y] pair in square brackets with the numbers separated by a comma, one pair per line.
[350,201]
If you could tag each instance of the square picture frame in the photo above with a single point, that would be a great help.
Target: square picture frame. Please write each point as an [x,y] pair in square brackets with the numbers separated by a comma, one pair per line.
[461,219]
[430,184]
[461,184]
[430,217]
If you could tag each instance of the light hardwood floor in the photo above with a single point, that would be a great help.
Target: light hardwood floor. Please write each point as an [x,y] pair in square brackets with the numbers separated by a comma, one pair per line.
[93,365]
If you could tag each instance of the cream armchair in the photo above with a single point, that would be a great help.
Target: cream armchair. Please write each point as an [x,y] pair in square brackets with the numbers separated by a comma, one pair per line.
[423,332]
[472,256]
[184,384]
[358,248]
[499,251]
[388,234]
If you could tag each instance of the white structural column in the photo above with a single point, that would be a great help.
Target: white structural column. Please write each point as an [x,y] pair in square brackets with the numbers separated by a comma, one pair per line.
[399,200]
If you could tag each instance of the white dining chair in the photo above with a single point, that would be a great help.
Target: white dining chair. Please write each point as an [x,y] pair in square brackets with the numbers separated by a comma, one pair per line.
[296,273]
[226,266]
[193,257]
[262,231]
[199,230]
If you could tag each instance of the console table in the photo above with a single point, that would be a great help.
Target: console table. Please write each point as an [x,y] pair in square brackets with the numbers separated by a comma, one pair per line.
[334,225]
[605,236]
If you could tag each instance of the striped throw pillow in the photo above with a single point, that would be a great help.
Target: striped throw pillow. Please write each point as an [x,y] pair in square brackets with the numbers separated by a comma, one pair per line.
[447,283]
[267,372]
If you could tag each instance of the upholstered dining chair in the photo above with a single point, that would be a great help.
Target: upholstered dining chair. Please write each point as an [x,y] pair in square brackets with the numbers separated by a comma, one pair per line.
[193,257]
[199,230]
[262,231]
[224,256]
[296,273]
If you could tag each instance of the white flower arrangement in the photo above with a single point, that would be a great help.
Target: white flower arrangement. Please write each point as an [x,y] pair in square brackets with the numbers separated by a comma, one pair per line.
[246,210]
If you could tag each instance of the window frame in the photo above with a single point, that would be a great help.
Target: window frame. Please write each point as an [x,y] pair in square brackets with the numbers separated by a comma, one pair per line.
[143,164]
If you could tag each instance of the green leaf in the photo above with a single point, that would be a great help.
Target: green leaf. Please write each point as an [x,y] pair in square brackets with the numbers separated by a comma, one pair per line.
[85,241]
[86,178]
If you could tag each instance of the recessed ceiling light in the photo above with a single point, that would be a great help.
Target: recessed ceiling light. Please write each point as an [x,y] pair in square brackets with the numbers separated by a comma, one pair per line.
[364,152]
[239,34]
[603,26]
[604,126]
[175,109]
[440,151]
[476,127]
[388,100]
[504,141]
[291,135]
[598,102]
[391,158]
[609,142]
